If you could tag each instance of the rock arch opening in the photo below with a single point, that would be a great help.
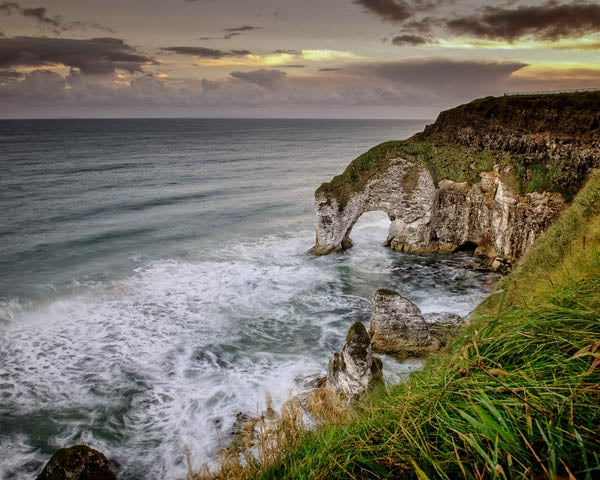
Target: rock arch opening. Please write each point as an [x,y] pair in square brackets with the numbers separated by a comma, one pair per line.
[372,228]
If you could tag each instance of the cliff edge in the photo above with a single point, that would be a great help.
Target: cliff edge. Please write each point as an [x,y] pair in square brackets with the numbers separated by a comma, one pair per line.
[490,175]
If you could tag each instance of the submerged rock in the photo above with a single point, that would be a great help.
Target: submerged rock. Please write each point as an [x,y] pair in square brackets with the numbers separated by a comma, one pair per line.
[79,462]
[400,329]
[355,370]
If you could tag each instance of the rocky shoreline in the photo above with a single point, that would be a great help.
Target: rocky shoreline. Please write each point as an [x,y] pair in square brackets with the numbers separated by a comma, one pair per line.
[491,216]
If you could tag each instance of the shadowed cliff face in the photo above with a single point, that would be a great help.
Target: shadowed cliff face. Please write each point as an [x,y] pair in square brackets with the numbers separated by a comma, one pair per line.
[492,175]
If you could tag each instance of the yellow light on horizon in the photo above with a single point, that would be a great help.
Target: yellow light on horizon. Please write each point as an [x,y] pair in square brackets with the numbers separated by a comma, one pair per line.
[324,55]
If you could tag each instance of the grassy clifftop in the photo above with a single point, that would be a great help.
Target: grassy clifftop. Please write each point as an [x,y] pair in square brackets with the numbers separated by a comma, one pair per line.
[568,114]
[534,166]
[516,396]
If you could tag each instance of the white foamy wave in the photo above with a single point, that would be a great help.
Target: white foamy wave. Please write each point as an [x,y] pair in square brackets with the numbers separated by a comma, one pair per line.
[145,366]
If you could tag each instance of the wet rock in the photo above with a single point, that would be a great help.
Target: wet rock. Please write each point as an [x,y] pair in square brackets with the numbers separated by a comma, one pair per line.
[79,462]
[243,424]
[355,370]
[501,265]
[399,328]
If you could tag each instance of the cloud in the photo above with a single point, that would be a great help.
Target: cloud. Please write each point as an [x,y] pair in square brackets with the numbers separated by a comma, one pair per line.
[43,83]
[549,22]
[325,54]
[8,76]
[243,28]
[432,83]
[436,72]
[208,85]
[93,56]
[233,32]
[390,10]
[286,52]
[40,15]
[203,52]
[410,40]
[269,79]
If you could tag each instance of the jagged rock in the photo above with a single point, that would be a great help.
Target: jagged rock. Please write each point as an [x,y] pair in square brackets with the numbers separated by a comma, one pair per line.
[79,462]
[548,142]
[489,214]
[355,370]
[400,329]
[405,192]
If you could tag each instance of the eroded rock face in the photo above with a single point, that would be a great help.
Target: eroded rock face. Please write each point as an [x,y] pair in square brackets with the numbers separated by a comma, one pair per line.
[490,215]
[405,191]
[355,370]
[425,219]
[79,462]
[400,329]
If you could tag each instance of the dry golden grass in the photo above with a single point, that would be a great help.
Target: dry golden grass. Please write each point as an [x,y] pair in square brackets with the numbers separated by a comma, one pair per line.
[260,440]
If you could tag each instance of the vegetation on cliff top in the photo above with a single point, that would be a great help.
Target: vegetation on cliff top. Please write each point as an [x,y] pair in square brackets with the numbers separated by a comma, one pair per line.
[569,114]
[565,115]
[515,396]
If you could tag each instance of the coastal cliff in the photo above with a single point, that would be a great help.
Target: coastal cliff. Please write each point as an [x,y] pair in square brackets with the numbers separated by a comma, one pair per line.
[490,175]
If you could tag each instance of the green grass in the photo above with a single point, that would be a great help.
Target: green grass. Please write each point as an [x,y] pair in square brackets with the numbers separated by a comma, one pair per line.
[453,162]
[517,395]
[564,115]
[446,160]
[571,114]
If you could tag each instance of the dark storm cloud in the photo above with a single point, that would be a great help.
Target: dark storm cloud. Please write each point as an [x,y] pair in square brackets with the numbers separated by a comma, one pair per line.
[410,40]
[40,15]
[550,21]
[399,10]
[269,79]
[330,69]
[93,56]
[203,52]
[295,65]
[390,10]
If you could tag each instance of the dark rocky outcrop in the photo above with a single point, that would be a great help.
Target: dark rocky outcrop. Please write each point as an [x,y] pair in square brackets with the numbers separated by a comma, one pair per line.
[355,370]
[79,462]
[399,328]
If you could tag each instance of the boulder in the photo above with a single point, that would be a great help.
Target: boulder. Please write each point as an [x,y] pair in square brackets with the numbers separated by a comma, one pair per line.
[399,328]
[443,326]
[355,370]
[79,462]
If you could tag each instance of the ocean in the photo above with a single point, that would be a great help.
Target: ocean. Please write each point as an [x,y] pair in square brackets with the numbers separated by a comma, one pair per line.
[155,281]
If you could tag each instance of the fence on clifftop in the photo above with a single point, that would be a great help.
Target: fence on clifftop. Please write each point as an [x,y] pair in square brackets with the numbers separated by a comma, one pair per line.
[551,92]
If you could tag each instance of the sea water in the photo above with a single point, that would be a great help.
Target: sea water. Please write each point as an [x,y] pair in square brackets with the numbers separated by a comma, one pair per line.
[155,281]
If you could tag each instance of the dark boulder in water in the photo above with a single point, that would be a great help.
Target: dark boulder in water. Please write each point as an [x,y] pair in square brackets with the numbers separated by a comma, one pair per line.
[79,462]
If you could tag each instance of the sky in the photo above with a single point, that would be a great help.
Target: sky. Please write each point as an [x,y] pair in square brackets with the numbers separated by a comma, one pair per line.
[287,58]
